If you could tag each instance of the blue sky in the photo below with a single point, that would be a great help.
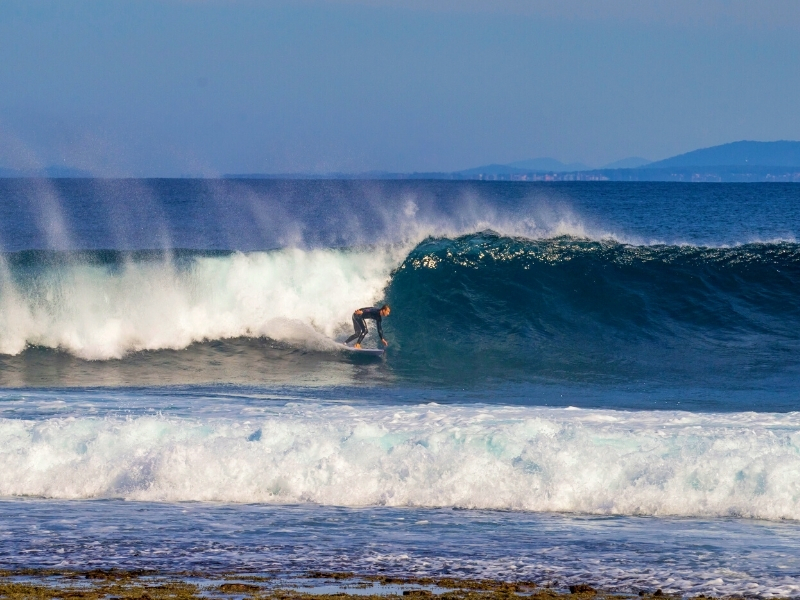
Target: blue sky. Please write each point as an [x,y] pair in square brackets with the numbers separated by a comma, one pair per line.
[205,87]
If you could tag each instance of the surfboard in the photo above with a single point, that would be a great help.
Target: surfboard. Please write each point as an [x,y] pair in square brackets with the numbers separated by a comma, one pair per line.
[367,351]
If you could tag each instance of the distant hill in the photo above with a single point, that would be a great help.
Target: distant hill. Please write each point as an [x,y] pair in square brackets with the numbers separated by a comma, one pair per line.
[494,170]
[634,162]
[532,165]
[743,161]
[737,154]
[546,164]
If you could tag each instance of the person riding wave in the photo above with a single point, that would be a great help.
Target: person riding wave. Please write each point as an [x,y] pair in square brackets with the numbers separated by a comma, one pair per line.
[360,327]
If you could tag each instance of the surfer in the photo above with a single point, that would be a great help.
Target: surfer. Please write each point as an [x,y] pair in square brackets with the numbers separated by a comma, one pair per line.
[360,327]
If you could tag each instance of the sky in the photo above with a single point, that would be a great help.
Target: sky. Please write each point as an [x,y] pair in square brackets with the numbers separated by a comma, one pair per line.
[209,87]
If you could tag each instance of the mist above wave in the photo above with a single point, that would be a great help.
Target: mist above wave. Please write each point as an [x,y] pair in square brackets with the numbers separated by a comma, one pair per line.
[260,215]
[254,215]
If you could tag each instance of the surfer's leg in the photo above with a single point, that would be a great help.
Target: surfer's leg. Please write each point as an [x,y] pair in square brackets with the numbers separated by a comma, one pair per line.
[363,332]
[358,327]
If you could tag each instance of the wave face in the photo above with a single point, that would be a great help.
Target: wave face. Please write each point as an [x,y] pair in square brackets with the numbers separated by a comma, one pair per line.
[598,309]
[477,307]
[537,459]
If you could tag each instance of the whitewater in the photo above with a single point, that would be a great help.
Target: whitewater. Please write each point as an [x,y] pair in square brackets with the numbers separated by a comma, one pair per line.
[532,459]
[584,382]
[101,311]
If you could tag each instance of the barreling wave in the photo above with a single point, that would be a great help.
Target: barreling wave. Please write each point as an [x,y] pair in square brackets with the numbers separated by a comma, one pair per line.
[477,305]
[577,307]
[535,459]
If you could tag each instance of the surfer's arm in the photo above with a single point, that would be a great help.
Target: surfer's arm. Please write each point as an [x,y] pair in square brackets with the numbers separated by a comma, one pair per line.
[380,330]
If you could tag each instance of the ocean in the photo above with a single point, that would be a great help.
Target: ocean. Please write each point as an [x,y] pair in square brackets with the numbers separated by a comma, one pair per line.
[589,383]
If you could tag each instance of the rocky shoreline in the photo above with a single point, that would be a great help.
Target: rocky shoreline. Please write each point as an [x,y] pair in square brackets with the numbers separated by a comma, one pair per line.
[145,585]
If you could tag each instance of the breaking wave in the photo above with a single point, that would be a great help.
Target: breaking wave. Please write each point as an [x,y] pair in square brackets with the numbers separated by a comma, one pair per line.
[102,305]
[533,459]
[561,307]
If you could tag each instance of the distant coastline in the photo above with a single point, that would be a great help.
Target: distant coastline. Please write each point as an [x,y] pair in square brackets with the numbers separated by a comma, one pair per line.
[744,162]
[689,174]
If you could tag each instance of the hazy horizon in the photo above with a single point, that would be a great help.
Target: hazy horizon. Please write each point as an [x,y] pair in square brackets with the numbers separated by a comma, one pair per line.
[173,87]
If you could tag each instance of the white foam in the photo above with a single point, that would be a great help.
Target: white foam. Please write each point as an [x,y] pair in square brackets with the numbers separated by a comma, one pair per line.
[534,459]
[98,312]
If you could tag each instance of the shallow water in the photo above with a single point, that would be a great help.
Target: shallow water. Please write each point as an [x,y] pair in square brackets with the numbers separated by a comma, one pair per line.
[687,556]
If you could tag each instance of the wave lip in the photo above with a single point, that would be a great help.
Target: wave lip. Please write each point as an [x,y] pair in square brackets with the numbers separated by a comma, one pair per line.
[530,459]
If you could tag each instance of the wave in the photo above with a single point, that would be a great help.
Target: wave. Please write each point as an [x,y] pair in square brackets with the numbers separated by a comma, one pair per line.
[576,306]
[532,459]
[102,305]
[505,307]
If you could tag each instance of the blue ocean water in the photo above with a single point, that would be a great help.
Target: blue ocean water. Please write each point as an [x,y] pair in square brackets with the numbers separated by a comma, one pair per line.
[589,381]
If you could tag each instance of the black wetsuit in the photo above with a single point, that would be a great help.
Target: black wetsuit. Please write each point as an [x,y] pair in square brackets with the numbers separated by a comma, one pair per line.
[360,326]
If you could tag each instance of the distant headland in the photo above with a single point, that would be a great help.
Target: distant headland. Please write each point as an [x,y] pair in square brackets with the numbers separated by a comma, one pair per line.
[743,161]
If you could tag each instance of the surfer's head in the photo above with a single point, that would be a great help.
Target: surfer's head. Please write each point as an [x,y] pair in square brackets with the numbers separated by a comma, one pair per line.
[385,310]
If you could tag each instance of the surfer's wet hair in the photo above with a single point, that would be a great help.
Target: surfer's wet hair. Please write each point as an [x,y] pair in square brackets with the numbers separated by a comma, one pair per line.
[386,306]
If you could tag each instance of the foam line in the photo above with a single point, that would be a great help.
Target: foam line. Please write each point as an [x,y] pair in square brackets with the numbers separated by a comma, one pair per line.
[532,459]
